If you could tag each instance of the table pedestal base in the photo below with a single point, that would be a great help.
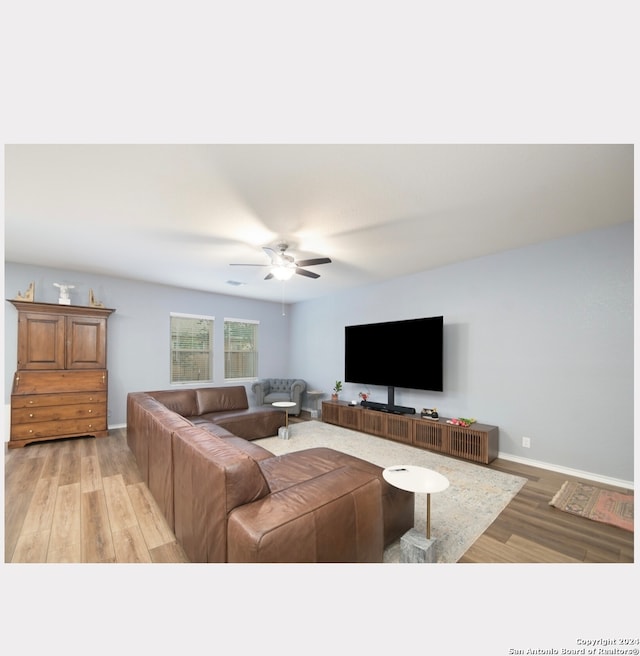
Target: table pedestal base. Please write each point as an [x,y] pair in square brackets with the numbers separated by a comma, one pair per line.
[283,432]
[416,548]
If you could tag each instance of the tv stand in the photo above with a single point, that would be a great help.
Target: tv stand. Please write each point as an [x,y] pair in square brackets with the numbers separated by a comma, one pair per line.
[478,442]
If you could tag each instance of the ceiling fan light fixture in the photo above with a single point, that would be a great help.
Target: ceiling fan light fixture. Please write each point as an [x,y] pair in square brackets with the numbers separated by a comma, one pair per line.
[283,271]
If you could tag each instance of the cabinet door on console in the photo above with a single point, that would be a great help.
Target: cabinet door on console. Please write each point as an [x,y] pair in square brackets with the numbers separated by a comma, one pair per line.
[41,341]
[86,343]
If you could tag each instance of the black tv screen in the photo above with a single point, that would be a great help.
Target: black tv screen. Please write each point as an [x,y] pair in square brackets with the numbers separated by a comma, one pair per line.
[404,354]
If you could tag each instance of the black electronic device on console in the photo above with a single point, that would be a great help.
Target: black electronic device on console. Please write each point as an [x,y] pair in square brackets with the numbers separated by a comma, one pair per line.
[386,407]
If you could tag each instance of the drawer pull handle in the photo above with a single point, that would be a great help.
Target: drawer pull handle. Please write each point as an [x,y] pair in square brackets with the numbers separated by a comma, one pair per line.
[31,414]
[90,411]
[31,430]
[31,402]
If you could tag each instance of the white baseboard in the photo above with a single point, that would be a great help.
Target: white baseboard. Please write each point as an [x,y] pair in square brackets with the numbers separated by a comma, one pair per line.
[615,482]
[114,426]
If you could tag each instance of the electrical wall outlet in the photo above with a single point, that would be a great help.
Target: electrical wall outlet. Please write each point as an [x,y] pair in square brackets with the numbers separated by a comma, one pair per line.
[526,442]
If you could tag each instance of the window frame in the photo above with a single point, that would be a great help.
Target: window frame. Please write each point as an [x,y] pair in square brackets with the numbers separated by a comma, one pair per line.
[256,350]
[200,317]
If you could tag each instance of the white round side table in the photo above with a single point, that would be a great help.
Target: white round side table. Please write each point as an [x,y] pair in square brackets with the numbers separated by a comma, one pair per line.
[417,479]
[284,432]
[314,395]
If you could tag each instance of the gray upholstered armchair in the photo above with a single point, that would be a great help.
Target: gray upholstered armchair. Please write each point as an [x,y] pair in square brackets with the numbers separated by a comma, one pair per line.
[268,390]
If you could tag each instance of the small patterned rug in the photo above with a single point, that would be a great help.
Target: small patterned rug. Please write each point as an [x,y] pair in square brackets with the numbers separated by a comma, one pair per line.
[595,503]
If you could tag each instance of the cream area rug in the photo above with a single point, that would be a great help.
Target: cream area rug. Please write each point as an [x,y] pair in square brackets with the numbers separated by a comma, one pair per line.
[475,497]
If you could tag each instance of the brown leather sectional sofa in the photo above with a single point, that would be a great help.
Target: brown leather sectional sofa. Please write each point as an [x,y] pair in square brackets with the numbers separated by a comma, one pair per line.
[228,499]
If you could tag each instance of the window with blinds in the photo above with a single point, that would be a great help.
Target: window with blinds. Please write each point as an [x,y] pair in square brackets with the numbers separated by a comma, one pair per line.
[191,348]
[240,349]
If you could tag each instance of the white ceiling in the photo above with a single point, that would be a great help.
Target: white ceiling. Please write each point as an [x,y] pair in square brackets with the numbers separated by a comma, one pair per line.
[181,214]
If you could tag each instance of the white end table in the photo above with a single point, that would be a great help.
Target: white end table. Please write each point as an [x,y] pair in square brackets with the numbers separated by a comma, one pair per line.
[283,432]
[314,395]
[417,479]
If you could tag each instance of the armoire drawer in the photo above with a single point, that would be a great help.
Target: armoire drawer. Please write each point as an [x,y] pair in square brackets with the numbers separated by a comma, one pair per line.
[44,400]
[60,428]
[58,412]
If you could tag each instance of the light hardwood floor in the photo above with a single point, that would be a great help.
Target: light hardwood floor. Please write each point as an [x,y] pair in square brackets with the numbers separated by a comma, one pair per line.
[82,500]
[529,530]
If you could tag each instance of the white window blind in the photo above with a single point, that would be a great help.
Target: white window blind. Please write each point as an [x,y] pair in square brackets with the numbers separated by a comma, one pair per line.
[191,348]
[240,349]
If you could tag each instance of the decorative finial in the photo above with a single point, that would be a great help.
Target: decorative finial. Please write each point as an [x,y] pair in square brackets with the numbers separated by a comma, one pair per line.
[28,295]
[92,300]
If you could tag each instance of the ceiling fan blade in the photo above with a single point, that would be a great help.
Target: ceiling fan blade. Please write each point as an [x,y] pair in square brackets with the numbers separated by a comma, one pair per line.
[309,274]
[317,260]
[270,252]
[268,276]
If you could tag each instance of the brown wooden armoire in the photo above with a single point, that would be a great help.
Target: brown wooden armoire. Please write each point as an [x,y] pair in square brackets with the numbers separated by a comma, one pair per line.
[60,386]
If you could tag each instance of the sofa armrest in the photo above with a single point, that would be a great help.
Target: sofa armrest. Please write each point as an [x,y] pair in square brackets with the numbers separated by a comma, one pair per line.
[260,388]
[334,517]
[297,388]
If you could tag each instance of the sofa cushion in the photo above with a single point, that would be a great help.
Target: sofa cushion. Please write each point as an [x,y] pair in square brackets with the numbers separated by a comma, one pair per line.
[272,397]
[211,478]
[217,399]
[252,424]
[182,401]
[150,425]
[240,474]
[290,469]
[252,449]
[210,427]
[256,451]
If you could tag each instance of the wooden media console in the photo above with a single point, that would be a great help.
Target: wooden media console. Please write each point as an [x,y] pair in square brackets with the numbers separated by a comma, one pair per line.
[478,442]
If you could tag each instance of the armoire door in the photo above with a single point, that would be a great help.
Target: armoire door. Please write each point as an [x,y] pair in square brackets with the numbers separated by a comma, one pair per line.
[86,342]
[41,341]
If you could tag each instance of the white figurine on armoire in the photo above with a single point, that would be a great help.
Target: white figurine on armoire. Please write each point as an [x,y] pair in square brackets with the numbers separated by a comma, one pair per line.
[64,298]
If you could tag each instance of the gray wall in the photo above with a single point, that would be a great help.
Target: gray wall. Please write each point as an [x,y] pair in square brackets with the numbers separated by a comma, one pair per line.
[138,330]
[538,341]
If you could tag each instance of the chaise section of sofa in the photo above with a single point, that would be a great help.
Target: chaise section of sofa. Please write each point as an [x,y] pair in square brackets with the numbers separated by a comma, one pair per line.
[225,510]
[398,506]
[335,517]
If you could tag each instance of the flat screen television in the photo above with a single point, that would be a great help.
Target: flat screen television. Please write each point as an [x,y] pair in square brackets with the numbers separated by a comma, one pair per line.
[405,354]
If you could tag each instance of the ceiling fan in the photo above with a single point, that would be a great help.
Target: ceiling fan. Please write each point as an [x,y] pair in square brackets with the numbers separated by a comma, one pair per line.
[283,266]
